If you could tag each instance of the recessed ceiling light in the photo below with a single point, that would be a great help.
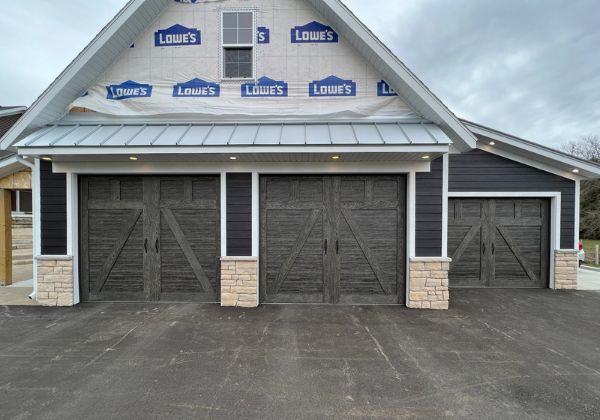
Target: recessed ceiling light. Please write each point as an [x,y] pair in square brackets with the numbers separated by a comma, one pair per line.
[492,143]
[335,157]
[575,171]
[133,158]
[425,157]
[232,157]
[46,158]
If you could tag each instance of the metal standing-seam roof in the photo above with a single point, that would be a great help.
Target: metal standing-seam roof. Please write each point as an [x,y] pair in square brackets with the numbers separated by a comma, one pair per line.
[206,135]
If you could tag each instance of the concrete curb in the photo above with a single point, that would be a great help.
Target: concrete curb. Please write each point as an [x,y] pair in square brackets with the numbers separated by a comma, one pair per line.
[588,268]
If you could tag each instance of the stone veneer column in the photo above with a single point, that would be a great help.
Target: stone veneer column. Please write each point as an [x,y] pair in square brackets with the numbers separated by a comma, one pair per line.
[239,286]
[566,265]
[428,287]
[55,280]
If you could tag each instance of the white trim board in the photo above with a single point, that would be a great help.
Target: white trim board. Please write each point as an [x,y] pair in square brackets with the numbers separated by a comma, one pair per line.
[186,167]
[555,214]
[445,178]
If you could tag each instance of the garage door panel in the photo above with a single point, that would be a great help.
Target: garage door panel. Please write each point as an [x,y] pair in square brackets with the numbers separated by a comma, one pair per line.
[116,261]
[368,252]
[464,247]
[518,256]
[295,263]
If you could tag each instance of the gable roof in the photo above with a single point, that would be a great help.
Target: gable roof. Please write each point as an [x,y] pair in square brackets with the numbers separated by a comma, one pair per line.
[122,31]
[547,158]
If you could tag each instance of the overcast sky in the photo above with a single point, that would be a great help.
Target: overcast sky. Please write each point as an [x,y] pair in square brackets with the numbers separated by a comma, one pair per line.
[528,67]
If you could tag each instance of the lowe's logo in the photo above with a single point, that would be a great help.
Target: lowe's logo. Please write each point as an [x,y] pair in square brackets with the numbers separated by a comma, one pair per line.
[384,89]
[332,86]
[263,35]
[128,90]
[265,88]
[177,35]
[313,32]
[196,88]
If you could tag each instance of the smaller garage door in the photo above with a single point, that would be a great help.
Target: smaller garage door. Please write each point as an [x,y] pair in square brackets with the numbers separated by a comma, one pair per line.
[502,243]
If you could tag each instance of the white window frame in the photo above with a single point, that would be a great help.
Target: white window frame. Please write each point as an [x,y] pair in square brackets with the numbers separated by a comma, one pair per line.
[223,46]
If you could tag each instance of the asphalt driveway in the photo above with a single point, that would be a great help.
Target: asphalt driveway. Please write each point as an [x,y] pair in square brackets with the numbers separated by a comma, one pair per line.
[495,354]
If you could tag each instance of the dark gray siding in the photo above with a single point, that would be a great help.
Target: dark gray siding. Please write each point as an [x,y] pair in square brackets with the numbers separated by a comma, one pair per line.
[239,215]
[53,210]
[481,171]
[428,235]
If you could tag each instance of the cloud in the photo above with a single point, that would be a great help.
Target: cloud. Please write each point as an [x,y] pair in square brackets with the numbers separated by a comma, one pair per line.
[528,67]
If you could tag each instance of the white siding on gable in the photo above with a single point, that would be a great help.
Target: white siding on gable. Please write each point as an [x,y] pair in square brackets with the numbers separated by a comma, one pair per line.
[160,68]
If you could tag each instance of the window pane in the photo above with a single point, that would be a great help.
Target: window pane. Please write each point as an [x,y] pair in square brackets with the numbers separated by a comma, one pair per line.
[25,201]
[13,200]
[245,55]
[245,70]
[230,36]
[245,20]
[230,20]
[245,36]
[238,62]
[231,70]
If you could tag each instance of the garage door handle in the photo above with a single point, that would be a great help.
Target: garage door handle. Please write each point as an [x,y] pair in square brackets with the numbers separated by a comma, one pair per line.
[325,246]
[483,249]
[493,249]
[156,245]
[337,247]
[146,245]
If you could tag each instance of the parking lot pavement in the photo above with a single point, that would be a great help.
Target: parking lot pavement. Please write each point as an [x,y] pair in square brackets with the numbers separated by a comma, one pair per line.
[588,279]
[495,354]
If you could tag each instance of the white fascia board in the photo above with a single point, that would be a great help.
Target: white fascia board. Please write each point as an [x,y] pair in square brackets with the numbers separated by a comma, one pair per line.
[10,165]
[12,111]
[531,151]
[405,80]
[202,150]
[191,167]
[30,118]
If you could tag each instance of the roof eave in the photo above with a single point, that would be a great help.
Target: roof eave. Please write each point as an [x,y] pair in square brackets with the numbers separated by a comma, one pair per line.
[560,160]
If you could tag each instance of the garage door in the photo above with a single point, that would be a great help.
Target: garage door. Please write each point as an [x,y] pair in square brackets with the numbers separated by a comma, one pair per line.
[499,243]
[149,238]
[333,239]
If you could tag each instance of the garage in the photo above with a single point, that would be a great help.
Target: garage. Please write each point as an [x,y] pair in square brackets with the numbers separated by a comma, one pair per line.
[333,239]
[499,242]
[149,238]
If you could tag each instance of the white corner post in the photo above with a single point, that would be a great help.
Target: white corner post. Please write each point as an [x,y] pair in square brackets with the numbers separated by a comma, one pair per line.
[446,170]
[223,214]
[72,231]
[37,237]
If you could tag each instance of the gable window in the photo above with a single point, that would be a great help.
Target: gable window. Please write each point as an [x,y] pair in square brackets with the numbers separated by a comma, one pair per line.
[237,41]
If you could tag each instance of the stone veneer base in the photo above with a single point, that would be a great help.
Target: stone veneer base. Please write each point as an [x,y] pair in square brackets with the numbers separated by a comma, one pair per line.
[239,286]
[566,266]
[428,287]
[54,280]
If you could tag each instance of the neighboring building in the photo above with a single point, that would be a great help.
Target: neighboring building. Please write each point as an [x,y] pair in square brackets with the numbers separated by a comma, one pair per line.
[255,151]
[15,205]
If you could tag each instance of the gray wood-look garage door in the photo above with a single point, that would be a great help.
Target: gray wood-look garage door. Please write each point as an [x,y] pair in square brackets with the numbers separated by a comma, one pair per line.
[149,238]
[499,243]
[333,239]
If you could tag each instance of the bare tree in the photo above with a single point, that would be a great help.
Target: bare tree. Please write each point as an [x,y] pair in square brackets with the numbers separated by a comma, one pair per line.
[587,147]
[589,222]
